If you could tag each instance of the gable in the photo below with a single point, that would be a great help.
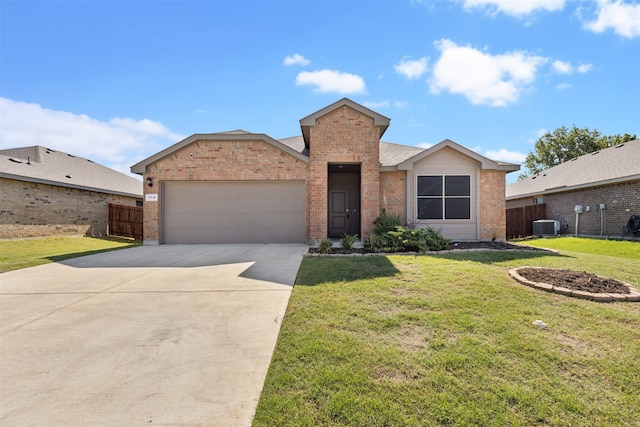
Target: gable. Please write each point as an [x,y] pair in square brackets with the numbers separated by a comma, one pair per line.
[238,136]
[484,162]
[378,120]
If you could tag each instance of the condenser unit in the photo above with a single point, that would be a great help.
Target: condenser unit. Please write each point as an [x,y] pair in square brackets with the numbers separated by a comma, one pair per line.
[546,227]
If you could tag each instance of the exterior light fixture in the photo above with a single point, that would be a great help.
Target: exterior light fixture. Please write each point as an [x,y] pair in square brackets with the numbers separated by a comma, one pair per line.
[149,182]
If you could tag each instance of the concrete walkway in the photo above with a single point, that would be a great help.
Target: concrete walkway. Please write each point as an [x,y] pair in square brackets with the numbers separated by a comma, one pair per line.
[153,335]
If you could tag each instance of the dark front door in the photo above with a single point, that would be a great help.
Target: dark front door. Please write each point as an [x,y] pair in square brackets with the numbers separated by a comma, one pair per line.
[338,213]
[344,213]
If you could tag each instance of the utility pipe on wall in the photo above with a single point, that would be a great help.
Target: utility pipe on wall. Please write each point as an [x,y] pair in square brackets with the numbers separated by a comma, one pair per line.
[578,210]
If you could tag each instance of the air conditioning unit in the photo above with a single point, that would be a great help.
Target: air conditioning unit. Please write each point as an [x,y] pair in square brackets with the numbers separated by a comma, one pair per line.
[546,227]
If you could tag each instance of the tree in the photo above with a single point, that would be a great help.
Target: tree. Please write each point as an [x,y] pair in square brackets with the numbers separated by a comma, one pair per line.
[565,144]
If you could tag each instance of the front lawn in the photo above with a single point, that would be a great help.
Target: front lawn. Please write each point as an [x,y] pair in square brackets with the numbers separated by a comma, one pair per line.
[22,253]
[449,340]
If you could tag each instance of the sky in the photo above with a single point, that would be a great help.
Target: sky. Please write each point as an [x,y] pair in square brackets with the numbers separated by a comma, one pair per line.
[117,81]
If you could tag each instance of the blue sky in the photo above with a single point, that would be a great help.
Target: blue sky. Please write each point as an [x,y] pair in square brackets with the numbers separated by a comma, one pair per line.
[118,81]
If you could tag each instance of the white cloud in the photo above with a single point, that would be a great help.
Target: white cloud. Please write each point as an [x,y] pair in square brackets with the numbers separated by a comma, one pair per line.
[566,67]
[623,18]
[517,8]
[412,69]
[505,155]
[118,143]
[485,79]
[562,67]
[584,68]
[296,59]
[424,145]
[326,81]
[401,104]
[563,86]
[376,104]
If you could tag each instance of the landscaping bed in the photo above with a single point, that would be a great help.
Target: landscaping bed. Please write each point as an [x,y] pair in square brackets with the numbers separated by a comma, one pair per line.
[464,246]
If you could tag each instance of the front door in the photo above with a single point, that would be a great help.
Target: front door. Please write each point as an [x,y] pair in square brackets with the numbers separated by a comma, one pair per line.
[338,213]
[344,215]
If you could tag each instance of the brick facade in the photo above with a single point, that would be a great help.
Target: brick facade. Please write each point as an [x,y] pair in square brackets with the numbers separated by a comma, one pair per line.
[393,190]
[30,210]
[344,136]
[621,201]
[493,216]
[219,161]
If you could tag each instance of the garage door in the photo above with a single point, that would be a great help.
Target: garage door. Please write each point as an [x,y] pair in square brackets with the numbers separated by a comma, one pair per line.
[233,212]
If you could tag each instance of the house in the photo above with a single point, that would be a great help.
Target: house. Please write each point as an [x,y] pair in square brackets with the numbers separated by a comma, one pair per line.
[334,178]
[604,187]
[45,192]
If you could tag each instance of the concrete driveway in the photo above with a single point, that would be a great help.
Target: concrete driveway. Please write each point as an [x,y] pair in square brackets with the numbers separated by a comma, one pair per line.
[153,335]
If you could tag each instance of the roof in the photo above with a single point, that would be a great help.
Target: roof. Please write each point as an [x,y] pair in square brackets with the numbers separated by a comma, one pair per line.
[378,119]
[390,154]
[485,162]
[614,164]
[45,166]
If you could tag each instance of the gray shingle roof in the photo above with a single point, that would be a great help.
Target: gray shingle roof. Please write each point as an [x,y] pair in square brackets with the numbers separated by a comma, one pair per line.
[390,154]
[615,164]
[42,165]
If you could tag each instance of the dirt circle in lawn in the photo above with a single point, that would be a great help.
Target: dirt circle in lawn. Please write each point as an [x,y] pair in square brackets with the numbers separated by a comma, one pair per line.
[578,284]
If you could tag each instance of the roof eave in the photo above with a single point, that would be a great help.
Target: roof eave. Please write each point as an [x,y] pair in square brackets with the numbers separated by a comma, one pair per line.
[68,185]
[485,162]
[140,167]
[563,188]
[378,119]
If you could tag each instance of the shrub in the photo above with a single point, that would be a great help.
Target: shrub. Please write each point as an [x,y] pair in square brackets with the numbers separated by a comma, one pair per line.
[325,246]
[386,222]
[348,240]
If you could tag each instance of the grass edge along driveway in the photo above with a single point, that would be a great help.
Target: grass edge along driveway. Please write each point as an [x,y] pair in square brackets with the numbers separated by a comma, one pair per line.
[449,340]
[22,253]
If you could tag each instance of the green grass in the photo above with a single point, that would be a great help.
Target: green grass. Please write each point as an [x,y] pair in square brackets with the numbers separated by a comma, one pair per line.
[618,248]
[449,340]
[22,253]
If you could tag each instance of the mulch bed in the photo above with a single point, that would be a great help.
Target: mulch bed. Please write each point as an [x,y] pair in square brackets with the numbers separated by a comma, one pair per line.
[452,246]
[574,280]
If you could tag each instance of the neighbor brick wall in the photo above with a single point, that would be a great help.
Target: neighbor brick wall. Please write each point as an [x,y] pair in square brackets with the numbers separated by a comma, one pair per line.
[621,201]
[493,216]
[219,160]
[344,136]
[29,209]
[393,189]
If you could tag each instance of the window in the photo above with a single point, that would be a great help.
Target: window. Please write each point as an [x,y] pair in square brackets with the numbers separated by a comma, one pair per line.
[444,197]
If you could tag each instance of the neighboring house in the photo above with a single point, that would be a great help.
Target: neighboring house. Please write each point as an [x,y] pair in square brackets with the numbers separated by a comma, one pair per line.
[335,178]
[606,184]
[45,192]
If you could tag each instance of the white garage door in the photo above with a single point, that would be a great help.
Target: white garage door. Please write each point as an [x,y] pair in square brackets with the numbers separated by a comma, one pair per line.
[233,212]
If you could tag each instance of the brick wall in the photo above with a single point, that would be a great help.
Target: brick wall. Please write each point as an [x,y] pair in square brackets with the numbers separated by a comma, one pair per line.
[219,160]
[29,210]
[393,192]
[493,220]
[344,136]
[621,201]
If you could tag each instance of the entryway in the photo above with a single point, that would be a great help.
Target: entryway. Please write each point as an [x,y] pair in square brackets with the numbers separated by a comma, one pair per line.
[344,199]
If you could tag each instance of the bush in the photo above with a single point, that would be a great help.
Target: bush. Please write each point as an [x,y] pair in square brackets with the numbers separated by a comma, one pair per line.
[419,239]
[390,235]
[348,240]
[325,246]
[386,222]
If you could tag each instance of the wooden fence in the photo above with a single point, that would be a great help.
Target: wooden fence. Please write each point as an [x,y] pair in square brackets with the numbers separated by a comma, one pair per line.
[125,221]
[520,220]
